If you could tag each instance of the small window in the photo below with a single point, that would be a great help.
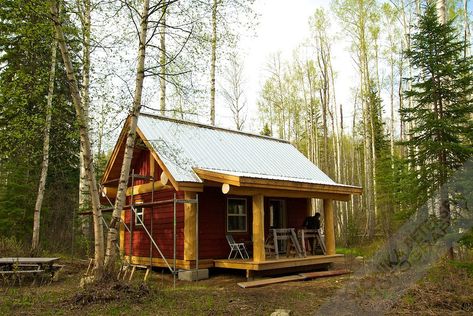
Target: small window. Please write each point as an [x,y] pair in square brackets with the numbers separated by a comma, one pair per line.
[236,215]
[139,213]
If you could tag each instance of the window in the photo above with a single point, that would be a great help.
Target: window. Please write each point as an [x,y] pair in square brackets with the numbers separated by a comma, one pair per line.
[139,213]
[236,215]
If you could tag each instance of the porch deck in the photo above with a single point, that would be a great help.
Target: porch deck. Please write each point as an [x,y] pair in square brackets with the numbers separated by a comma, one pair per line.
[272,264]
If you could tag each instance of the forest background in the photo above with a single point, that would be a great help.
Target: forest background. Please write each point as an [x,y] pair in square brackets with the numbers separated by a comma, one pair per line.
[377,129]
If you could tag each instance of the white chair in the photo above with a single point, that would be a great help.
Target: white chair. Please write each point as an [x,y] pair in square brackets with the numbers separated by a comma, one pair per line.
[236,248]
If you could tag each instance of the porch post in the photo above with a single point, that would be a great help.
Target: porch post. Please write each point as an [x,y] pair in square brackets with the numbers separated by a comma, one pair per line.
[309,207]
[329,227]
[189,226]
[258,228]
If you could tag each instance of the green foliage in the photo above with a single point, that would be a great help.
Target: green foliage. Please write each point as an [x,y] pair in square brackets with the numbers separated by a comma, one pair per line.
[26,35]
[11,247]
[467,239]
[442,88]
[467,266]
[266,131]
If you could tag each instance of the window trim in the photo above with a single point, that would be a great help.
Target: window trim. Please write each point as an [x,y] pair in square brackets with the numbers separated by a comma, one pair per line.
[237,215]
[142,213]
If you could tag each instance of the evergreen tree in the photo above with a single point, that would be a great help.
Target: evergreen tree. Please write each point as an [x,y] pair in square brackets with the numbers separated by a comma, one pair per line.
[25,45]
[442,88]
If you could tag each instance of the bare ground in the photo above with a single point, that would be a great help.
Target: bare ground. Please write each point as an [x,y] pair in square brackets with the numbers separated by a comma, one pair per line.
[447,289]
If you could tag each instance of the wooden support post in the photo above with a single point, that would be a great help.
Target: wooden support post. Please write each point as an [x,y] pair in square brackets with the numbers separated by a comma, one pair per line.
[151,165]
[190,211]
[329,227]
[258,228]
[309,207]
[122,234]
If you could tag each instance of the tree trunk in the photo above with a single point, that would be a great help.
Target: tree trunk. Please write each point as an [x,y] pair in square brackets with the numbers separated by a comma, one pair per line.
[84,194]
[466,28]
[112,235]
[391,95]
[45,162]
[441,11]
[162,62]
[85,142]
[213,60]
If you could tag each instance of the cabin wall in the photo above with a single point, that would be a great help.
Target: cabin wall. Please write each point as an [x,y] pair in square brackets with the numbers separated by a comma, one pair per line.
[212,221]
[158,219]
[141,165]
[212,224]
[296,212]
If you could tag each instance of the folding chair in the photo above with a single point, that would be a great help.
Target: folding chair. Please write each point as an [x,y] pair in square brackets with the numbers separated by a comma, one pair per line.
[236,248]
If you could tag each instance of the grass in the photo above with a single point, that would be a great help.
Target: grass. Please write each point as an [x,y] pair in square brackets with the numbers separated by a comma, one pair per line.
[447,289]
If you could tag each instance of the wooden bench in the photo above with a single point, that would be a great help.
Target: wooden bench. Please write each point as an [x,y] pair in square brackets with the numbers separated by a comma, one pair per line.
[21,271]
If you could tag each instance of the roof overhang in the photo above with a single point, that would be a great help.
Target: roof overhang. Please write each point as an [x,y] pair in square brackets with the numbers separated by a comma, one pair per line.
[233,183]
[115,162]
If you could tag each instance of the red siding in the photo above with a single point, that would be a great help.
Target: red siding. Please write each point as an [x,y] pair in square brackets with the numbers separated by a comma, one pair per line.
[158,219]
[212,224]
[140,165]
[296,212]
[212,219]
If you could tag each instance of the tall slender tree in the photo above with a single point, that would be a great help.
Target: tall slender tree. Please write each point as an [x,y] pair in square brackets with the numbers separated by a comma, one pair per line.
[442,88]
[85,140]
[45,160]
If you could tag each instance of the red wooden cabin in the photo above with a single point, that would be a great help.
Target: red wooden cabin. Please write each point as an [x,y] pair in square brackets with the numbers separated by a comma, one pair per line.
[244,185]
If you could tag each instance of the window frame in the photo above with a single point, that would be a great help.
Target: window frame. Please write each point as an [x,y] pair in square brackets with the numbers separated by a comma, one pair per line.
[245,215]
[138,213]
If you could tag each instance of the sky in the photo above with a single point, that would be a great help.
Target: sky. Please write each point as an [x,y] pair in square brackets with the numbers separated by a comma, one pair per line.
[283,25]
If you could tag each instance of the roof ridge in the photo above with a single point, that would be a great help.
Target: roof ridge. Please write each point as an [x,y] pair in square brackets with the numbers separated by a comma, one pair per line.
[201,125]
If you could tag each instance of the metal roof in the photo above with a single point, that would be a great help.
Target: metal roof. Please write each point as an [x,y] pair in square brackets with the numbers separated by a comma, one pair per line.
[183,146]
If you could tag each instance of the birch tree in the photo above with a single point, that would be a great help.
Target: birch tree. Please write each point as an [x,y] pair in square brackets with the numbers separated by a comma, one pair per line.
[45,160]
[84,13]
[233,91]
[85,141]
[112,235]
[213,60]
[162,60]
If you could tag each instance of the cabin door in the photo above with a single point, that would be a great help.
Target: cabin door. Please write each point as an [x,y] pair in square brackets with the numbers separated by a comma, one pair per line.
[277,218]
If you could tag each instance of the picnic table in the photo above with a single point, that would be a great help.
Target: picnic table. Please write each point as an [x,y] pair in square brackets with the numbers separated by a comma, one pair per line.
[27,265]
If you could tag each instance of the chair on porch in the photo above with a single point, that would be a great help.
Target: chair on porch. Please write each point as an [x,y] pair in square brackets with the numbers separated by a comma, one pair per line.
[236,248]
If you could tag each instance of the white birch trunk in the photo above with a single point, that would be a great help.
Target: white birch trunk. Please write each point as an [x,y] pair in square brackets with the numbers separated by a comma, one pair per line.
[85,142]
[466,28]
[84,186]
[441,11]
[112,236]
[45,161]
[213,60]
[162,62]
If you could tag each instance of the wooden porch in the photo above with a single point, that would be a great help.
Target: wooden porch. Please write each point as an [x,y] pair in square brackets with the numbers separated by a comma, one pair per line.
[283,263]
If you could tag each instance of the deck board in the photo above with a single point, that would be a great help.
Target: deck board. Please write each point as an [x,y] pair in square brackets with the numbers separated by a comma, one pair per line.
[291,278]
[264,282]
[276,264]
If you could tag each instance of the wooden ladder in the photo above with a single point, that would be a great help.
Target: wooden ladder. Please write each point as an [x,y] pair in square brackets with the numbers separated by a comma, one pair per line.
[128,270]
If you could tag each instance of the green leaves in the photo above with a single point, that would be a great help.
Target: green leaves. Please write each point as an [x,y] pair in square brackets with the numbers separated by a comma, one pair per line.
[26,34]
[442,86]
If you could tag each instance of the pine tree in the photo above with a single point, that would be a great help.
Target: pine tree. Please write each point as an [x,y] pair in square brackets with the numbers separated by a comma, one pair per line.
[442,89]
